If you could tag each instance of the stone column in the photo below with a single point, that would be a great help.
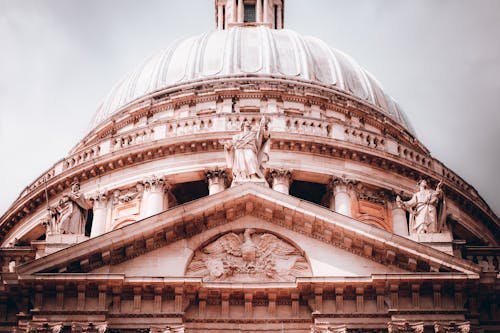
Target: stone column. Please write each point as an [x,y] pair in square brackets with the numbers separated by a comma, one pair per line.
[341,200]
[220,17]
[154,193]
[280,180]
[399,221]
[99,208]
[241,11]
[265,12]
[279,19]
[217,180]
[258,11]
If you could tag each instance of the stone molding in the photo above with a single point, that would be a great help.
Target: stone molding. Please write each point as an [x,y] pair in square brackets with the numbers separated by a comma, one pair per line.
[322,224]
[98,169]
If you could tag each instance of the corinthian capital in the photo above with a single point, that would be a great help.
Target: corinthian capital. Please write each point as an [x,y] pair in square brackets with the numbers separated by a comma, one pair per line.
[99,198]
[216,175]
[155,184]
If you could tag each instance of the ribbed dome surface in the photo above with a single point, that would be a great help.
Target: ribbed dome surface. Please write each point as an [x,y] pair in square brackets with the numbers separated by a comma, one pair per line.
[242,51]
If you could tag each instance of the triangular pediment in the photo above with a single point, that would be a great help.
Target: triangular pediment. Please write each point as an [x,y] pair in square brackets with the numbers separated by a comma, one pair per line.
[367,249]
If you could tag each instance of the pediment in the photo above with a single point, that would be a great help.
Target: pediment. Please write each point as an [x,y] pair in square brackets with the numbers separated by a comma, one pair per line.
[290,219]
[215,256]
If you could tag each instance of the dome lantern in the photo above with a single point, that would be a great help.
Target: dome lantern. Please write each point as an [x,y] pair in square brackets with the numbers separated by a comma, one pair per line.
[230,13]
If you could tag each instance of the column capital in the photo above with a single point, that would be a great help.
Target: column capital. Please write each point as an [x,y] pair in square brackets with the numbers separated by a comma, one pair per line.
[405,327]
[99,199]
[154,183]
[341,183]
[216,175]
[280,180]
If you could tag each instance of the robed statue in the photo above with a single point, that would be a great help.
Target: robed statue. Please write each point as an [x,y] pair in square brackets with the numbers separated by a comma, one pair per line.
[247,150]
[426,212]
[72,211]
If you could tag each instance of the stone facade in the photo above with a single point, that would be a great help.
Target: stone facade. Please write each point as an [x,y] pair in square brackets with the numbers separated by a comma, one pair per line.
[310,231]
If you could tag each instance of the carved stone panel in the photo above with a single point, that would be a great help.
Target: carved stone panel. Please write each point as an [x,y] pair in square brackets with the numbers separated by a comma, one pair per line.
[249,256]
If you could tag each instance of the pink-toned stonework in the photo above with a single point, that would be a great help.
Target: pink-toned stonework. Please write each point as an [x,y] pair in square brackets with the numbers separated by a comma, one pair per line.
[250,179]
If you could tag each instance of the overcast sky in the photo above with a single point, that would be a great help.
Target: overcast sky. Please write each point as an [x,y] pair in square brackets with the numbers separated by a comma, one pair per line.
[439,59]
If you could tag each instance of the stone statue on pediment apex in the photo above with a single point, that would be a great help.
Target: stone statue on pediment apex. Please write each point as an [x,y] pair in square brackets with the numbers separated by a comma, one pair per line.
[248,150]
[426,208]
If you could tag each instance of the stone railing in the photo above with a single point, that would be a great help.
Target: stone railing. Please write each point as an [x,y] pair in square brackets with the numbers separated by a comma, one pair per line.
[365,138]
[81,157]
[413,156]
[131,138]
[488,257]
[228,122]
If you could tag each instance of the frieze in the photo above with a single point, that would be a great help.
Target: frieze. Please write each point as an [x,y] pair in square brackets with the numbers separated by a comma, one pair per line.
[248,256]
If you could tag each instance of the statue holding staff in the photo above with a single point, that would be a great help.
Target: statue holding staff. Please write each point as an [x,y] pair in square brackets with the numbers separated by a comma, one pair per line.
[425,217]
[247,150]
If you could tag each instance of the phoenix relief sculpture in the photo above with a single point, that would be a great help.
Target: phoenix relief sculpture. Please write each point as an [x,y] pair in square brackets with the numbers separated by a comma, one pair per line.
[248,256]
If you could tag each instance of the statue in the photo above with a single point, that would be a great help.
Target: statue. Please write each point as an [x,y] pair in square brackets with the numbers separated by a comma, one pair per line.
[246,151]
[72,212]
[423,208]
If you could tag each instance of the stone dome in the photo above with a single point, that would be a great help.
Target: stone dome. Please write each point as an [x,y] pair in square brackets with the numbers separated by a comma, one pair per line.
[250,51]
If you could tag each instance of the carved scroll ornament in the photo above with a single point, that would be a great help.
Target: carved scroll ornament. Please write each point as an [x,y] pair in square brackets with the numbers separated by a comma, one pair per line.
[248,256]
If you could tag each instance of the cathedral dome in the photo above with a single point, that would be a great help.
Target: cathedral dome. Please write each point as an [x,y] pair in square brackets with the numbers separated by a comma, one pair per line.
[244,52]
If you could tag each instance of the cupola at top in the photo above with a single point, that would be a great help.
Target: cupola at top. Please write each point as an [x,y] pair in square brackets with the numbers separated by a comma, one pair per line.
[230,13]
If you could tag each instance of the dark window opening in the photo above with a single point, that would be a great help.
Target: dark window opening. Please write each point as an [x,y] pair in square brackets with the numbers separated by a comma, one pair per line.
[312,192]
[249,14]
[88,223]
[186,192]
[224,17]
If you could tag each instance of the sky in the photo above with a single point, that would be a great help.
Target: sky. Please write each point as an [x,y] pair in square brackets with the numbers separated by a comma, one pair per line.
[439,59]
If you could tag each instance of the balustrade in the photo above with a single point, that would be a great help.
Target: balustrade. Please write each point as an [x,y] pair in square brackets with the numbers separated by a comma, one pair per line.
[232,122]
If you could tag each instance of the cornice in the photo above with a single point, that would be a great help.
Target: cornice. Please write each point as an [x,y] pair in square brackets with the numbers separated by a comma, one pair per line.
[144,152]
[271,206]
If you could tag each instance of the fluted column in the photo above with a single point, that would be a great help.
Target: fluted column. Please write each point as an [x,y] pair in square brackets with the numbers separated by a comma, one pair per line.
[100,210]
[217,180]
[399,221]
[341,200]
[154,194]
[280,180]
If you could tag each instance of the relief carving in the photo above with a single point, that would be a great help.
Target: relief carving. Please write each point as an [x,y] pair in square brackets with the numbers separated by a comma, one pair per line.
[248,256]
[405,327]
[452,327]
[128,195]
